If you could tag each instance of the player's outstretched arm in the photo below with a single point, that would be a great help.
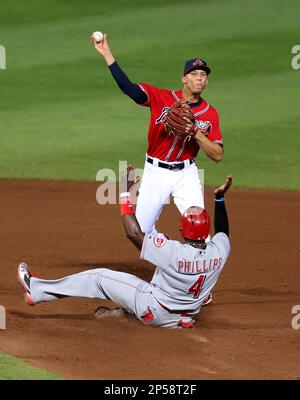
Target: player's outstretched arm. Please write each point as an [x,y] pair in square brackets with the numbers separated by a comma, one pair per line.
[133,230]
[130,223]
[221,219]
[131,89]
[221,190]
[104,49]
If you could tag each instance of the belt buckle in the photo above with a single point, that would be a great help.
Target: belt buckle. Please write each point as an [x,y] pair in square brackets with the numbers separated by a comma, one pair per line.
[174,166]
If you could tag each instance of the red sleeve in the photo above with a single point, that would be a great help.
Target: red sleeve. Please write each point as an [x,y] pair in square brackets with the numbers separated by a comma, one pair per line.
[215,135]
[152,93]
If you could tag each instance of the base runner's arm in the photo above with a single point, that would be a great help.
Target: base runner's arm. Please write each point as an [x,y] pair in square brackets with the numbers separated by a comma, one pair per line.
[221,219]
[129,88]
[133,230]
[130,223]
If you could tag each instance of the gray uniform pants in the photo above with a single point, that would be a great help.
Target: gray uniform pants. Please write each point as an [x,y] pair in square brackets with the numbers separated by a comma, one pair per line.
[128,291]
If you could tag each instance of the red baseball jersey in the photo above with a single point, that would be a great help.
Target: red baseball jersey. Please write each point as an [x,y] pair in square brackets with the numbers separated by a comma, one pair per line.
[167,147]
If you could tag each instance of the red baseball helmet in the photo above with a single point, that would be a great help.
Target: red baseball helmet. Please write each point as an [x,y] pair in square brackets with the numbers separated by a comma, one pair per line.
[195,224]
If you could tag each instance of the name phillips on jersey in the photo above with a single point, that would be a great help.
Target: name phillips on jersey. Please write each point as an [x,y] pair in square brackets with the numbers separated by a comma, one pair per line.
[198,266]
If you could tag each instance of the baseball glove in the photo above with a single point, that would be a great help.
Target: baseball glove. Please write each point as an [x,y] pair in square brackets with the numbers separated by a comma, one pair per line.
[177,124]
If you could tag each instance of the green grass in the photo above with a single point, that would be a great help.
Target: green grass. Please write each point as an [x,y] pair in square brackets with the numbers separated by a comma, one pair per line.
[13,368]
[63,117]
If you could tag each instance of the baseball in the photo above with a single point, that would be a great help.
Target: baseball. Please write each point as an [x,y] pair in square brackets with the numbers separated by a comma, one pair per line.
[98,36]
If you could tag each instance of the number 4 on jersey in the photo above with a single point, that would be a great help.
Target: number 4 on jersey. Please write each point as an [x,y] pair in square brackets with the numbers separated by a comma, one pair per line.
[197,286]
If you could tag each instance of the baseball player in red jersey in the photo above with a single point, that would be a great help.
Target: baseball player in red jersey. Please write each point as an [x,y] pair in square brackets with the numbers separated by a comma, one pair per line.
[170,167]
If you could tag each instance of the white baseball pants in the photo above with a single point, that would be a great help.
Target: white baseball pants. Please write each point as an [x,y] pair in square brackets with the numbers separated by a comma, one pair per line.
[158,184]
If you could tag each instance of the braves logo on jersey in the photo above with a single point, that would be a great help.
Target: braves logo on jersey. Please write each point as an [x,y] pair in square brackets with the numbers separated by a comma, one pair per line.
[163,116]
[204,126]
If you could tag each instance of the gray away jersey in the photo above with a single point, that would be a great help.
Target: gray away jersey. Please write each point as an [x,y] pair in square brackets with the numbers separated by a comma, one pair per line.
[184,275]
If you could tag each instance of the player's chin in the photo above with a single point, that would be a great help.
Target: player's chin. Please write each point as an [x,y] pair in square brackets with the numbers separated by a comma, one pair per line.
[197,93]
[198,90]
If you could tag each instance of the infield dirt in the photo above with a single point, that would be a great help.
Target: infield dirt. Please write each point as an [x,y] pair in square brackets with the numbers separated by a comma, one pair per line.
[246,333]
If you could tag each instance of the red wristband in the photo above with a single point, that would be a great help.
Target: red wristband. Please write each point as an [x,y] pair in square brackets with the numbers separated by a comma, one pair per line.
[126,206]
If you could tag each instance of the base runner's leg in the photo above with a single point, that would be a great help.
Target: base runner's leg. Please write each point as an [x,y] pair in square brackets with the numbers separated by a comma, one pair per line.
[100,283]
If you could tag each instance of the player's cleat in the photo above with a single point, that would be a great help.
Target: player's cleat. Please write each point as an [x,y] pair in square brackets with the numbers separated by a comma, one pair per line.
[24,276]
[182,324]
[207,300]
